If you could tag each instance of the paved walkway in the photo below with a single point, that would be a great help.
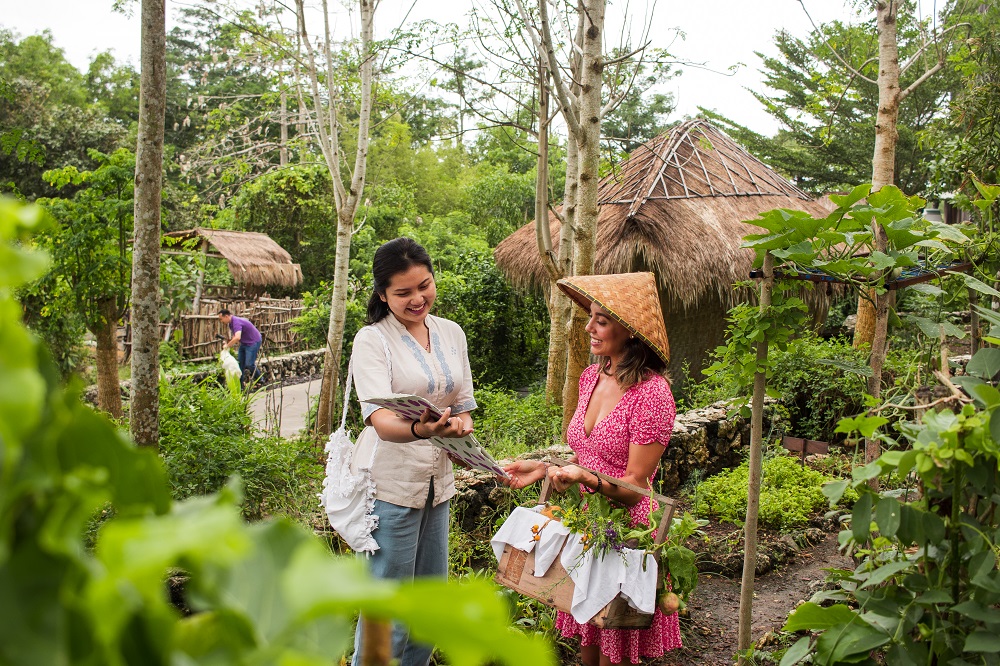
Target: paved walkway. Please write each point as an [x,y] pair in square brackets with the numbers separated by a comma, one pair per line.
[286,408]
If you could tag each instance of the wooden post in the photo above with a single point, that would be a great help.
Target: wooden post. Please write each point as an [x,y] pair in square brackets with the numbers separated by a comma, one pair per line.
[199,285]
[753,485]
[376,642]
[975,339]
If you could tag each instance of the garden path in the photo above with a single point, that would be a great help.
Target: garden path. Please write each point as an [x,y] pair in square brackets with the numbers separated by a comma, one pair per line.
[284,406]
[710,630]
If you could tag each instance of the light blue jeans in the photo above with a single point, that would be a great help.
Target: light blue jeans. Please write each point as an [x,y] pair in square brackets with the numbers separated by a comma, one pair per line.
[412,543]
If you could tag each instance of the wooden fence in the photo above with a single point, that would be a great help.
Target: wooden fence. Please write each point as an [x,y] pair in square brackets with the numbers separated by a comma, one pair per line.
[200,330]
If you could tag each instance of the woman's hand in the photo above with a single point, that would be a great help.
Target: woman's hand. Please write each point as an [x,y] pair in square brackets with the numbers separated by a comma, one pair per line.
[523,473]
[447,426]
[564,477]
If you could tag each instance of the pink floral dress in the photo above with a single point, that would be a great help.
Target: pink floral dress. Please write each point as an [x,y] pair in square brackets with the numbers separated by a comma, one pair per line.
[644,415]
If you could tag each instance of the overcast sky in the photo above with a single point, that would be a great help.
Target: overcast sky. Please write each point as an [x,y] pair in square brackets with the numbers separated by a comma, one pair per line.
[722,34]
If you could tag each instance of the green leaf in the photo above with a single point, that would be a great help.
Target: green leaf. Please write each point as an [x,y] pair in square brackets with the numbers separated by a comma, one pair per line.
[847,366]
[987,395]
[982,641]
[861,517]
[978,285]
[978,612]
[849,642]
[813,617]
[834,491]
[796,653]
[985,363]
[885,572]
[887,516]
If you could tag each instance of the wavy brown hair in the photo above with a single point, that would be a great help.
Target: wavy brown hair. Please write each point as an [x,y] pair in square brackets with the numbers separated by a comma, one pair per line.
[637,363]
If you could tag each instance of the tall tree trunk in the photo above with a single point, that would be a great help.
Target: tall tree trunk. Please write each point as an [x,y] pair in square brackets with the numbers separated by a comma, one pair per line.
[346,201]
[109,394]
[753,483]
[883,170]
[560,304]
[589,140]
[335,330]
[145,413]
[555,375]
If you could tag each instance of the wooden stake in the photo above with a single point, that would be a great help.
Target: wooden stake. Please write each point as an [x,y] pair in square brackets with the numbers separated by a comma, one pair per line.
[753,486]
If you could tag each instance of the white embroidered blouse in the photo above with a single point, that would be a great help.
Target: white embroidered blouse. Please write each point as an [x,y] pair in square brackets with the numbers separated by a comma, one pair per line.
[403,472]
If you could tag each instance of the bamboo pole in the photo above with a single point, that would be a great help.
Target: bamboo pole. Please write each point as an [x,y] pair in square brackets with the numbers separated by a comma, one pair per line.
[753,485]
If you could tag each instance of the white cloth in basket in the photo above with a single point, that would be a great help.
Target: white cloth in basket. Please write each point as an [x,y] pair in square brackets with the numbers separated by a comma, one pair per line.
[516,531]
[596,582]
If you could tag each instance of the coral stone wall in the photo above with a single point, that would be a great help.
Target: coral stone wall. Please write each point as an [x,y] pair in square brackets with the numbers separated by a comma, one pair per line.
[704,442]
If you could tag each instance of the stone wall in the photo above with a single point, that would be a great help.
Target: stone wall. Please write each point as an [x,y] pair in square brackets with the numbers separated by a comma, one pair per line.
[274,369]
[703,443]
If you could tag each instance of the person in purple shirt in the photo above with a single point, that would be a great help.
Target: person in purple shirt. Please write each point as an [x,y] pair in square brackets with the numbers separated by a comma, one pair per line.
[246,335]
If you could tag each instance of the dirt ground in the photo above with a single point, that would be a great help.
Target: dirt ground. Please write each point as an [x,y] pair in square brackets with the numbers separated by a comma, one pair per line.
[709,631]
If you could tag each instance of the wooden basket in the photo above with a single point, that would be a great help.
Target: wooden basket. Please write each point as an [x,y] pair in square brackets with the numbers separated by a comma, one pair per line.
[516,568]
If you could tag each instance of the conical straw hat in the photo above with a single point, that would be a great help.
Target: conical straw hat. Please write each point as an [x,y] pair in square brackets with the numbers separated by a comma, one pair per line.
[630,298]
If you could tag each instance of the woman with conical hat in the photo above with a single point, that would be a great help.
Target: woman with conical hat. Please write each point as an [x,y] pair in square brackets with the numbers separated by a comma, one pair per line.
[621,428]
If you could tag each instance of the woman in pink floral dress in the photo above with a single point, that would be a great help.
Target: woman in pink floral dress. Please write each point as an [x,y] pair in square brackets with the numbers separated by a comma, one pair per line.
[621,427]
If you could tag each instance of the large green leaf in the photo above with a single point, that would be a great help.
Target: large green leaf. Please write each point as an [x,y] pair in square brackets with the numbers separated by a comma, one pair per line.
[885,572]
[813,617]
[796,653]
[984,363]
[978,285]
[861,517]
[887,516]
[982,641]
[849,642]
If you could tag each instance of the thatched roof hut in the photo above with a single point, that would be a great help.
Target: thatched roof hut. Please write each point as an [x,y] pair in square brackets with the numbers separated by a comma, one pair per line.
[254,259]
[676,207]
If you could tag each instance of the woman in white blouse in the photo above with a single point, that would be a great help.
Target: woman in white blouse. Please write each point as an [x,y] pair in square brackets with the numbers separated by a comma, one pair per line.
[419,354]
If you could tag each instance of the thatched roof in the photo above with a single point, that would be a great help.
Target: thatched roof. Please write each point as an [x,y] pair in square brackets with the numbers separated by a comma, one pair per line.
[254,259]
[675,207]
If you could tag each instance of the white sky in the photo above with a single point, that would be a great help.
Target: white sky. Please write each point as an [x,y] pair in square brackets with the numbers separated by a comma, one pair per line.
[719,33]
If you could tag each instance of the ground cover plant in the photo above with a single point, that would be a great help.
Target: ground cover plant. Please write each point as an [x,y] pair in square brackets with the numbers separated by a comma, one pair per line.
[790,494]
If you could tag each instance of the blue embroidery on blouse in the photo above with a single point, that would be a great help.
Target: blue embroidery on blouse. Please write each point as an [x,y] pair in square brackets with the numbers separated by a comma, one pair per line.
[418,353]
[464,406]
[449,381]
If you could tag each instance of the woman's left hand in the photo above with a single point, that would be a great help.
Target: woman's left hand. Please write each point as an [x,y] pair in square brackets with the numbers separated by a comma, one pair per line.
[564,477]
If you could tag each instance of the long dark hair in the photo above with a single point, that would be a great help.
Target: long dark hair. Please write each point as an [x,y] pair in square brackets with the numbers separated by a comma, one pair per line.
[638,361]
[397,256]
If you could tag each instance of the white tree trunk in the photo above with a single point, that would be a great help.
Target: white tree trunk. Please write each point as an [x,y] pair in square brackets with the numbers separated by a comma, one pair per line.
[588,140]
[346,202]
[873,313]
[144,415]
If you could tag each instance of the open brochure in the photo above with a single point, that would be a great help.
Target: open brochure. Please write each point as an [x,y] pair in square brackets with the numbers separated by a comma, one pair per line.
[466,449]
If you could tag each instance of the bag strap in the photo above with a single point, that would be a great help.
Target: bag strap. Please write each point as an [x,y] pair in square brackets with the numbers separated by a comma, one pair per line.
[350,375]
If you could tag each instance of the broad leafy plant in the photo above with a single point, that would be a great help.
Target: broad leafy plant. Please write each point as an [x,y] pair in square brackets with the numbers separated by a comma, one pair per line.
[928,585]
[269,593]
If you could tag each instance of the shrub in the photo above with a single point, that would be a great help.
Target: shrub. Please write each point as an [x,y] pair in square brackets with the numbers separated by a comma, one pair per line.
[206,436]
[819,381]
[509,425]
[789,494]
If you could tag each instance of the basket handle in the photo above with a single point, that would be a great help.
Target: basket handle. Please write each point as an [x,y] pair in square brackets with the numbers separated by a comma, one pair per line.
[667,503]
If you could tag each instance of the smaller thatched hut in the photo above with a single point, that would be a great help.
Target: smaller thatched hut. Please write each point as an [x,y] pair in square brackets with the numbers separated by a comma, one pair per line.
[254,259]
[677,208]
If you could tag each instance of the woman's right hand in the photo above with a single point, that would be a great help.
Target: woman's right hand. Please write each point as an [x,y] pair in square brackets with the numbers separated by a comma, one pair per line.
[448,426]
[523,473]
